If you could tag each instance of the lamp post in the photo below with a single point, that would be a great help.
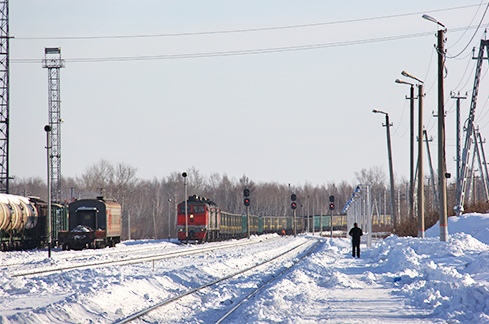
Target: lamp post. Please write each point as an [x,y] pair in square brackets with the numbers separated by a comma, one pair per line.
[411,147]
[421,228]
[442,167]
[47,129]
[169,218]
[184,175]
[391,168]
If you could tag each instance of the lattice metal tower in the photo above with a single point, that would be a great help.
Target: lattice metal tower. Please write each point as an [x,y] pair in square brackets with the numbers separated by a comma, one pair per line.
[469,131]
[53,62]
[4,97]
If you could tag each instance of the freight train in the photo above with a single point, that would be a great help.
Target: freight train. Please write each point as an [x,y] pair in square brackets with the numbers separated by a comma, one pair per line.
[205,222]
[93,223]
[23,222]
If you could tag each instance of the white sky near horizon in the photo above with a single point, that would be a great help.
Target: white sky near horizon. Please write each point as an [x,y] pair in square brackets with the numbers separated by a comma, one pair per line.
[292,116]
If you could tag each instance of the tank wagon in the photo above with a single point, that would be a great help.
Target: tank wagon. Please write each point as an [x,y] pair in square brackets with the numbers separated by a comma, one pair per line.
[205,222]
[23,222]
[93,223]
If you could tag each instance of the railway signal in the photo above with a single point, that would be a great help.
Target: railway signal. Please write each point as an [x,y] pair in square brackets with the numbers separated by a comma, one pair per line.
[246,201]
[331,198]
[331,206]
[246,192]
[293,205]
[293,197]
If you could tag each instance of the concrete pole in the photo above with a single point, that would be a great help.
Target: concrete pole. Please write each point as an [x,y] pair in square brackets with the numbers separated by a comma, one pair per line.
[391,171]
[421,229]
[441,140]
[411,154]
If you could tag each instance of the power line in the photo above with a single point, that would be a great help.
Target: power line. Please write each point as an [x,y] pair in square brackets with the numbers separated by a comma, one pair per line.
[468,43]
[238,52]
[243,30]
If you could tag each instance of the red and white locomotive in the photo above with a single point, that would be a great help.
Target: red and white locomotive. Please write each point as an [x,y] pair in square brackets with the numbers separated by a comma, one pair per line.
[201,222]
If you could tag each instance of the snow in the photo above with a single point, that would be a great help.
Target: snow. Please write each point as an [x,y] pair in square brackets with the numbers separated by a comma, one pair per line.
[397,280]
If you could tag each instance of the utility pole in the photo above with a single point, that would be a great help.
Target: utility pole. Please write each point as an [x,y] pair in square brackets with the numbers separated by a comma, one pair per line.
[387,125]
[442,166]
[411,98]
[483,168]
[411,153]
[458,97]
[484,161]
[421,228]
[432,171]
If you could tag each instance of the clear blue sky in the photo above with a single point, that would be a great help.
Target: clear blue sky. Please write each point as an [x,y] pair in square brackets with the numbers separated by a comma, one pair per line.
[294,116]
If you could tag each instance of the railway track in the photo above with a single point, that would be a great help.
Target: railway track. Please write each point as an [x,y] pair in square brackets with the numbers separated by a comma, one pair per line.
[298,253]
[59,255]
[129,257]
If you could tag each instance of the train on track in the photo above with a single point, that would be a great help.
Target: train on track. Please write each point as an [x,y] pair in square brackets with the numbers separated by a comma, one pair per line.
[93,223]
[205,222]
[23,222]
[85,223]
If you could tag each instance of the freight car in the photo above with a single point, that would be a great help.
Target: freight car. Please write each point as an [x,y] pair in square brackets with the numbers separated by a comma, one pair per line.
[205,222]
[23,222]
[93,223]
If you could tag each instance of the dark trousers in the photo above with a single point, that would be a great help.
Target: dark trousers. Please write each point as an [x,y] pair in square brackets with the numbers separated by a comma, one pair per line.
[355,246]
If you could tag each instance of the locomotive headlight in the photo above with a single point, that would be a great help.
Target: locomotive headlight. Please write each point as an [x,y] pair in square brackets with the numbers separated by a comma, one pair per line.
[191,215]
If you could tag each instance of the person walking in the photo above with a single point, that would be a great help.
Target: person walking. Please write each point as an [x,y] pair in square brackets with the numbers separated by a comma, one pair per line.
[355,233]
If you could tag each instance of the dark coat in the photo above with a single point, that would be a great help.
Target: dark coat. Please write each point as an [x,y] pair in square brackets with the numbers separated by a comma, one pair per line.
[355,234]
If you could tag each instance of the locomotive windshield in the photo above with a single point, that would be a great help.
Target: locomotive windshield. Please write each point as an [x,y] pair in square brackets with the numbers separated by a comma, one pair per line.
[182,209]
[199,209]
[87,218]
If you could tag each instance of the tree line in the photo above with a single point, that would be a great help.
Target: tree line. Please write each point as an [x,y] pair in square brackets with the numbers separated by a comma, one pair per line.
[149,206]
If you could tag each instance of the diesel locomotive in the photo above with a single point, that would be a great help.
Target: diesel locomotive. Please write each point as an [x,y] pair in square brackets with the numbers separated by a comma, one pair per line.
[205,222]
[93,223]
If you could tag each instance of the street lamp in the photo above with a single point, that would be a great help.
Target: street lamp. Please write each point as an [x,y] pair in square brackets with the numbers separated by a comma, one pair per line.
[421,228]
[411,144]
[427,17]
[442,167]
[47,129]
[184,175]
[169,218]
[391,168]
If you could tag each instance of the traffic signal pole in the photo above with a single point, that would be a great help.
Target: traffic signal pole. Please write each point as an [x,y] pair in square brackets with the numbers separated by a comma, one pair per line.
[246,194]
[248,219]
[293,205]
[331,208]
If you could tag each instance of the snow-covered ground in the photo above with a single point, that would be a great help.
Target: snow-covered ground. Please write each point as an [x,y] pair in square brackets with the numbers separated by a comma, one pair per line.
[397,280]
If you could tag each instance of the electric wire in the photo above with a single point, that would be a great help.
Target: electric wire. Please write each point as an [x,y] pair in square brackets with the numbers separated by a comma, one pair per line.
[247,30]
[468,78]
[463,34]
[233,53]
[399,122]
[473,35]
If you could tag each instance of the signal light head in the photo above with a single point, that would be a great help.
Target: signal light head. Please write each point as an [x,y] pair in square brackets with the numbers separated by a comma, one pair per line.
[246,201]
[331,206]
[293,205]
